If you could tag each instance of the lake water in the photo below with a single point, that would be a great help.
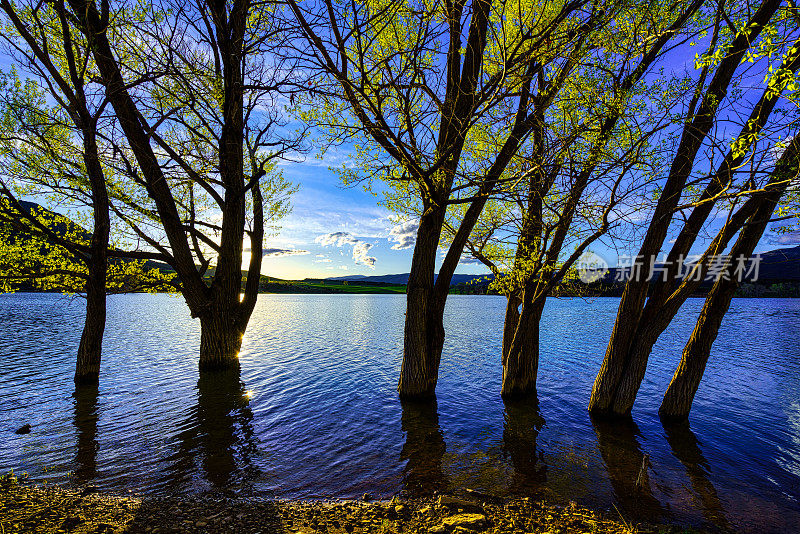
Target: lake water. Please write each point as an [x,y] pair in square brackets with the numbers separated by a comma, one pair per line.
[315,413]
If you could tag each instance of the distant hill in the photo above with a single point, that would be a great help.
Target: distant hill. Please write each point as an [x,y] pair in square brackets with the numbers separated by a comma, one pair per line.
[781,264]
[403,278]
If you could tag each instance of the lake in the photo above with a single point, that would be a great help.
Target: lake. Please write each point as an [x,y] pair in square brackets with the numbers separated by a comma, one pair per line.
[315,412]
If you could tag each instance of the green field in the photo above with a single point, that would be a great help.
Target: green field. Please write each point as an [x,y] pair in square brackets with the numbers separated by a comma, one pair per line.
[274,285]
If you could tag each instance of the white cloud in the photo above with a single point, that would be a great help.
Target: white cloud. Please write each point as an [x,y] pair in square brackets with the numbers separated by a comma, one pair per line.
[335,158]
[360,255]
[360,248]
[278,252]
[790,238]
[467,259]
[336,238]
[405,235]
[323,260]
[343,267]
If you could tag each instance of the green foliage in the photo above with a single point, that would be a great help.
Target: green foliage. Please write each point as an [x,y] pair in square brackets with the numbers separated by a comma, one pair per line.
[30,260]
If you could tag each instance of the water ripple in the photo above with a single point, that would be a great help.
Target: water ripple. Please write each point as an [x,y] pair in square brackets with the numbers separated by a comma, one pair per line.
[315,413]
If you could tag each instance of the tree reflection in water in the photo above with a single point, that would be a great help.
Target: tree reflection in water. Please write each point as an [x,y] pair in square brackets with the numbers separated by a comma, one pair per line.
[686,449]
[521,426]
[424,448]
[218,436]
[618,441]
[86,425]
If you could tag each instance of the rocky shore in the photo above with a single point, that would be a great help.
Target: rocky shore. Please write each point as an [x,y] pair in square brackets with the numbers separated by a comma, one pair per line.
[45,509]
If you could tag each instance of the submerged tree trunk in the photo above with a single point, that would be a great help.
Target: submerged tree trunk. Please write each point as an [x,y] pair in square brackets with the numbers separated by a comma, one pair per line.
[423,449]
[521,427]
[85,421]
[424,327]
[628,466]
[686,449]
[680,393]
[616,384]
[521,355]
[220,342]
[87,367]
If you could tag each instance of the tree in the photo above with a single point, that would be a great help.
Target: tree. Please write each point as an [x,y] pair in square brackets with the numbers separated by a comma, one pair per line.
[200,134]
[640,320]
[681,391]
[53,151]
[590,152]
[414,84]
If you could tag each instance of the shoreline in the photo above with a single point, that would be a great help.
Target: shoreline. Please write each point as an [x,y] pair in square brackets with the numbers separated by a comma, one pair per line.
[44,509]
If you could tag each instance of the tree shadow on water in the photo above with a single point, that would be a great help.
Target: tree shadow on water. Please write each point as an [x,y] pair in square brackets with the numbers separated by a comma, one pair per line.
[521,426]
[686,448]
[618,441]
[217,439]
[424,448]
[85,421]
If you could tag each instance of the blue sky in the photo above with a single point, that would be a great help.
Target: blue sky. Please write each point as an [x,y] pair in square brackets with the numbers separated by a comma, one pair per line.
[336,230]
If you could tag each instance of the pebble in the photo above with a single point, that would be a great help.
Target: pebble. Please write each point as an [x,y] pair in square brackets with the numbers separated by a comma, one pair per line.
[161,516]
[470,521]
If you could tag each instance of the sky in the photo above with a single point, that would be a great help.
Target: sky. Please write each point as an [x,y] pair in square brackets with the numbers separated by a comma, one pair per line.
[338,231]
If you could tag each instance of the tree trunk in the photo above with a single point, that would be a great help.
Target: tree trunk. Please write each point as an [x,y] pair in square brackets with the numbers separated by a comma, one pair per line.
[220,341]
[608,384]
[511,322]
[614,363]
[87,367]
[424,327]
[638,357]
[680,393]
[521,359]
